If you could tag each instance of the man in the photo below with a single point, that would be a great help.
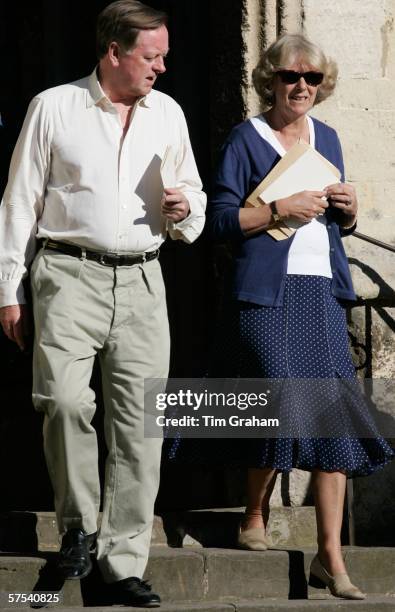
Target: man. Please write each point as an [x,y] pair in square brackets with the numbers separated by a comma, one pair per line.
[85,180]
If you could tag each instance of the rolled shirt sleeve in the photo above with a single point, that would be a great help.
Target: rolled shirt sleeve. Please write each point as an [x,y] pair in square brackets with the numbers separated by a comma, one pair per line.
[23,203]
[188,181]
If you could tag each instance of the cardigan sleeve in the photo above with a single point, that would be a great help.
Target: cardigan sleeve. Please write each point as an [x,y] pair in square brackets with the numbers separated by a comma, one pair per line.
[230,190]
[340,165]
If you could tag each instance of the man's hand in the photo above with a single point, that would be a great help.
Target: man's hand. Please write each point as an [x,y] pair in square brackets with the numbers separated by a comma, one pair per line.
[303,206]
[15,322]
[175,206]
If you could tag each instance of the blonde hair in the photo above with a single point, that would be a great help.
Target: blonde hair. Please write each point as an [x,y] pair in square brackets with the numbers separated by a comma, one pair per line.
[280,54]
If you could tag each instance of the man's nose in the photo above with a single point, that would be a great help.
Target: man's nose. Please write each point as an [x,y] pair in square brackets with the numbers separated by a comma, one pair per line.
[159,65]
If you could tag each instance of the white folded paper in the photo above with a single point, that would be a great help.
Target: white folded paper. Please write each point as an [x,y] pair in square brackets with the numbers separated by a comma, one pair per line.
[301,169]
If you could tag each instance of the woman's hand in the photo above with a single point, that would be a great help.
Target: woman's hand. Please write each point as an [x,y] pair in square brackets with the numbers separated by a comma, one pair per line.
[303,206]
[343,197]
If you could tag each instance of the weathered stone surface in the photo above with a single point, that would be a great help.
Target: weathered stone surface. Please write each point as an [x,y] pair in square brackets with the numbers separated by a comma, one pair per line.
[364,94]
[252,32]
[361,53]
[205,575]
[25,574]
[291,489]
[373,343]
[379,604]
[288,526]
[178,574]
[237,574]
[374,566]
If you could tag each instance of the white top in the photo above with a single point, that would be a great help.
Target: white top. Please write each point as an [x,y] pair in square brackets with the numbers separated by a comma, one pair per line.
[74,179]
[309,251]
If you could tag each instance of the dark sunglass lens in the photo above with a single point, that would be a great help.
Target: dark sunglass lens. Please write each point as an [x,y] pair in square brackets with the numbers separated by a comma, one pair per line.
[313,78]
[289,76]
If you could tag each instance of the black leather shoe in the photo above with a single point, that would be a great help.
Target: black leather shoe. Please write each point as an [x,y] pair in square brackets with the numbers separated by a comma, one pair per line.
[74,560]
[133,592]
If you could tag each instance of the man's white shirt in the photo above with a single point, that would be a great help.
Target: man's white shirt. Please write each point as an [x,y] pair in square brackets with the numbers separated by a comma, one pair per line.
[75,179]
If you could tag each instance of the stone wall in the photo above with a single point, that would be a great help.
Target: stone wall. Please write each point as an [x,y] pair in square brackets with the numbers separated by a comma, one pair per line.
[360,37]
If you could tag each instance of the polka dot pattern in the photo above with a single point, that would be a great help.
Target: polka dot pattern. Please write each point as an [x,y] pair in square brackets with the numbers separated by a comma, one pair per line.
[305,338]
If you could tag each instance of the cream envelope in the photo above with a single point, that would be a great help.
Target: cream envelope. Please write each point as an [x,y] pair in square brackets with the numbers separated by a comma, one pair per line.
[302,168]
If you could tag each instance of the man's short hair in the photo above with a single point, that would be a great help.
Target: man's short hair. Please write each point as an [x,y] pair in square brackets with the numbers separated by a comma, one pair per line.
[121,22]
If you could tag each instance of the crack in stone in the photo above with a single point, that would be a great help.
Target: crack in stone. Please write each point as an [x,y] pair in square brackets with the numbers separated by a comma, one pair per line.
[386,29]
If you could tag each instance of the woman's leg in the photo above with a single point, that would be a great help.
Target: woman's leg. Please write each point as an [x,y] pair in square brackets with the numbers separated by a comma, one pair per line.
[329,491]
[260,485]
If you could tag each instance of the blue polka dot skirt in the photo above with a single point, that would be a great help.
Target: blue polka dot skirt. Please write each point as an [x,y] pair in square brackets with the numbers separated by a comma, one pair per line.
[305,338]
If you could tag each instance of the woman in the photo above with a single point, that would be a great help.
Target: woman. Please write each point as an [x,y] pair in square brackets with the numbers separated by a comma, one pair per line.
[278,284]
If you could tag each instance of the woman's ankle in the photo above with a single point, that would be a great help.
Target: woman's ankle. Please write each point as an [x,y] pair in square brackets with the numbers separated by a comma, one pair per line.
[332,560]
[252,520]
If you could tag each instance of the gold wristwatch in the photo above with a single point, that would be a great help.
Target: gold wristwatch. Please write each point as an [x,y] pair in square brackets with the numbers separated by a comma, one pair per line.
[275,215]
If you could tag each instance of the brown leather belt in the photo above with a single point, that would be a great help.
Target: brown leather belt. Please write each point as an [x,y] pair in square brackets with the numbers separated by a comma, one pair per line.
[106,259]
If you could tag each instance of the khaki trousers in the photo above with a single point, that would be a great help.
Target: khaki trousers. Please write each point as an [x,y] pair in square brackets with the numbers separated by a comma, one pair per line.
[82,308]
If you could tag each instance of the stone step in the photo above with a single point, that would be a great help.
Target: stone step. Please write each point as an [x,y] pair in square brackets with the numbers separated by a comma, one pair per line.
[291,527]
[200,575]
[373,602]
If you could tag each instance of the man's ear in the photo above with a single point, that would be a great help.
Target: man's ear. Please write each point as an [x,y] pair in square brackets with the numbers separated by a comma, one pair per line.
[114,53]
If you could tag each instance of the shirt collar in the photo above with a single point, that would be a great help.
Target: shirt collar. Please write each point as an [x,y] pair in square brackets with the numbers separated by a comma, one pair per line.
[96,94]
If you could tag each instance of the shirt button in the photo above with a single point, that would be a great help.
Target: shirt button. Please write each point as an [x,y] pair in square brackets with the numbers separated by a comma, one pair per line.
[124,206]
[329,226]
[332,250]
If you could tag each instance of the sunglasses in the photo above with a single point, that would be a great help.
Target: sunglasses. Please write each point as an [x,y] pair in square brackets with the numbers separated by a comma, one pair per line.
[290,77]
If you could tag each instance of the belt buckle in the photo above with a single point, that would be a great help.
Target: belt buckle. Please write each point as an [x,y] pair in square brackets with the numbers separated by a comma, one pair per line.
[104,262]
[143,257]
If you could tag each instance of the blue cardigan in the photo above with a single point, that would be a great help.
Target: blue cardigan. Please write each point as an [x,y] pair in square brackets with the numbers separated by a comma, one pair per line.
[260,264]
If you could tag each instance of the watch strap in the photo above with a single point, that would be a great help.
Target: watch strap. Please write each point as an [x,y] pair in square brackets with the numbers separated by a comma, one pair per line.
[274,211]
